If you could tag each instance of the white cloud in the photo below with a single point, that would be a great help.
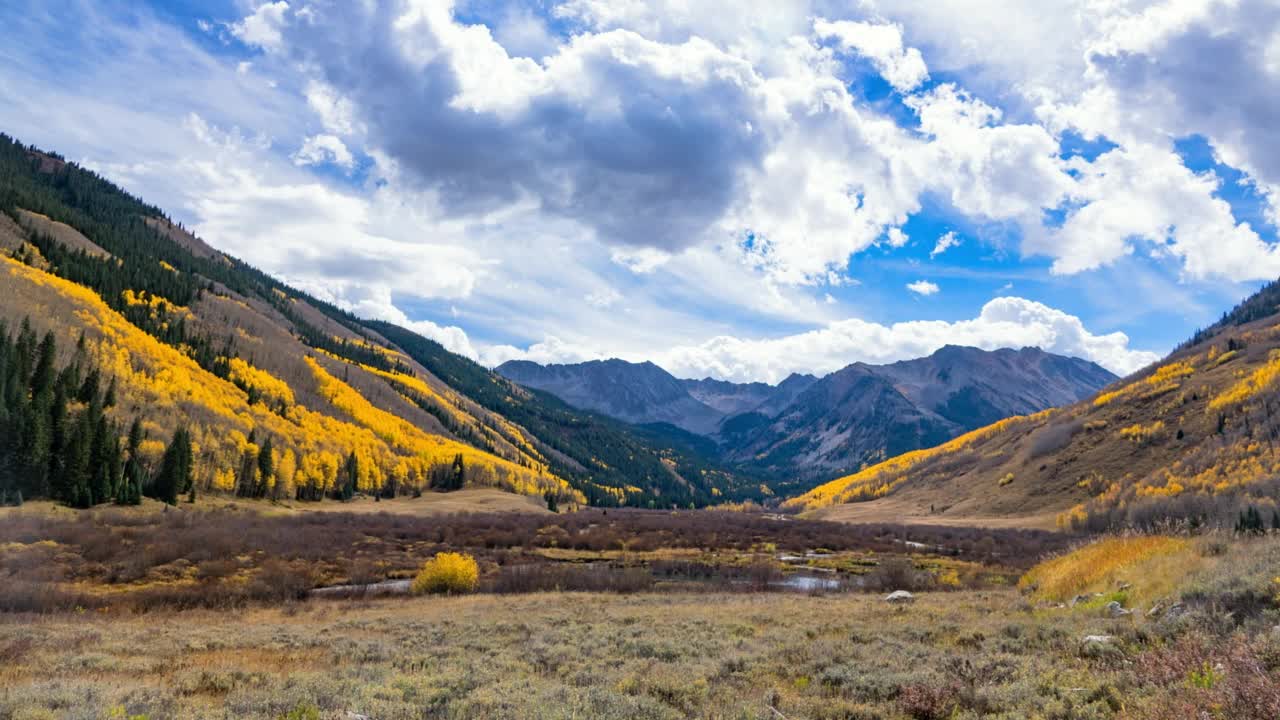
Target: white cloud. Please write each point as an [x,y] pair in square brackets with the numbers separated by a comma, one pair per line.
[945,243]
[923,287]
[641,260]
[320,149]
[263,27]
[902,67]
[1142,193]
[1003,322]
[714,168]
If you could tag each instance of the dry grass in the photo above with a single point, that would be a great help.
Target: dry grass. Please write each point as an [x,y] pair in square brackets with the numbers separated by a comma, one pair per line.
[63,233]
[902,510]
[1151,565]
[559,656]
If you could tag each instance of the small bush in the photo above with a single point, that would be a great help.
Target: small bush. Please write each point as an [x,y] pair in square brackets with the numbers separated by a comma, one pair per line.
[447,573]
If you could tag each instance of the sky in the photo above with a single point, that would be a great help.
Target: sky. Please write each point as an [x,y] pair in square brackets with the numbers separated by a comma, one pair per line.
[734,190]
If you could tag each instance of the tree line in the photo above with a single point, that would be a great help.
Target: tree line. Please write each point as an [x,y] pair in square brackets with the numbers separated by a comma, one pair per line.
[57,441]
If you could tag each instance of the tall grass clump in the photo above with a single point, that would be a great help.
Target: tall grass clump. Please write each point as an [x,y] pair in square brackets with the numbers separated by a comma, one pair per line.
[1107,562]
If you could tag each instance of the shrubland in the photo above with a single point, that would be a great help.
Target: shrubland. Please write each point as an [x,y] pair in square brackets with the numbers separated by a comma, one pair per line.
[993,653]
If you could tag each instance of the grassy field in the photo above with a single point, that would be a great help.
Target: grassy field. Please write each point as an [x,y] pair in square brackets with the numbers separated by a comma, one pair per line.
[204,612]
[565,656]
[891,509]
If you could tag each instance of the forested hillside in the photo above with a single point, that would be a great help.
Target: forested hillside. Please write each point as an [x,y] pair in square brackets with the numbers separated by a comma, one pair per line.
[277,394]
[1192,440]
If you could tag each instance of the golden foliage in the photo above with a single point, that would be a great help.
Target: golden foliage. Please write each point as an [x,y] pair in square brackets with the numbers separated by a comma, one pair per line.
[426,449]
[171,388]
[1250,384]
[265,383]
[447,573]
[1140,433]
[882,478]
[1103,564]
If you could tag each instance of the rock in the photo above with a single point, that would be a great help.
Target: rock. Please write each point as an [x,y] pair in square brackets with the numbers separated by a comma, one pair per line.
[1123,586]
[1114,609]
[898,597]
[1097,640]
[1155,610]
[352,715]
[1083,598]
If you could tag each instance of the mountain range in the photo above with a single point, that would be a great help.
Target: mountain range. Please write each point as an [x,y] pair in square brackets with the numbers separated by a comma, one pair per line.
[807,427]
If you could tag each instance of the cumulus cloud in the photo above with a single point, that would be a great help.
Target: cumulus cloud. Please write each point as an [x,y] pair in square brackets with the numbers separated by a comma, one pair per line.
[1003,322]
[903,67]
[714,168]
[945,243]
[263,27]
[923,287]
[1142,193]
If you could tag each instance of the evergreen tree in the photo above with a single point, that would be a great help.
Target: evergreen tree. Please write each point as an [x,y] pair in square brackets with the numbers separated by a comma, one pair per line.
[266,467]
[351,471]
[459,475]
[130,490]
[175,469]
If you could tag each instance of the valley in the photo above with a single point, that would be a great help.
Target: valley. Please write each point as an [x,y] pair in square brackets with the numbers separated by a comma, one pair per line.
[223,496]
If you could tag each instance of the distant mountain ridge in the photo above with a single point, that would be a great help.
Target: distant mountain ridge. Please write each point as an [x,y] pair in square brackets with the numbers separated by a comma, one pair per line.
[810,427]
[865,413]
[638,393]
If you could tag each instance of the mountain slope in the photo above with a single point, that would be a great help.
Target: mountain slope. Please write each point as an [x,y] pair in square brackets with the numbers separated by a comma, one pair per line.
[1192,439]
[254,368]
[602,456]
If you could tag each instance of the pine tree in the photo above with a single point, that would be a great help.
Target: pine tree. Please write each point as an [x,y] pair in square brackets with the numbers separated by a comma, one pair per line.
[43,375]
[459,475]
[266,468]
[351,471]
[175,469]
[130,489]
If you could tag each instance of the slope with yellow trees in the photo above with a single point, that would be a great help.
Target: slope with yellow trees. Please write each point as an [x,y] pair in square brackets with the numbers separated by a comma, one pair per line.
[169,389]
[1193,439]
[268,380]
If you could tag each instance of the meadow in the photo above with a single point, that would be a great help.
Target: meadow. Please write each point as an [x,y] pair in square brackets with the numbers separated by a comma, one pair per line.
[206,612]
[219,554]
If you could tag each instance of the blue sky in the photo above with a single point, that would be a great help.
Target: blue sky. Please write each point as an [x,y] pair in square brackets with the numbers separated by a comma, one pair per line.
[787,186]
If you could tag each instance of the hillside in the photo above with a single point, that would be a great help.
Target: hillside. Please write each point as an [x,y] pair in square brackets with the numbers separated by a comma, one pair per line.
[594,452]
[1190,439]
[278,394]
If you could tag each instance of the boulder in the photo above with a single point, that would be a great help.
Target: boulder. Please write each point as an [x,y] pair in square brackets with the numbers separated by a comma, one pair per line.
[899,597]
[1114,609]
[1097,640]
